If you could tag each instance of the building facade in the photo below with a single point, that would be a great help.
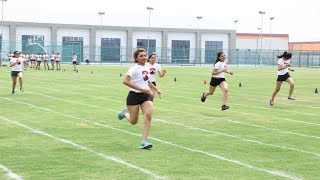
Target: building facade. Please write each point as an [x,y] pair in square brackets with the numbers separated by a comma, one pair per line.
[115,43]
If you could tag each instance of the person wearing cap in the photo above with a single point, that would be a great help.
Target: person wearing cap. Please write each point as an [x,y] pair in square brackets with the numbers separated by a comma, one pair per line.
[17,65]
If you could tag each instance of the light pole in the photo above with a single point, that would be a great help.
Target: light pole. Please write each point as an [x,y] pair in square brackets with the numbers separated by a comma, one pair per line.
[258,51]
[262,13]
[235,25]
[2,55]
[272,18]
[149,9]
[198,40]
[102,13]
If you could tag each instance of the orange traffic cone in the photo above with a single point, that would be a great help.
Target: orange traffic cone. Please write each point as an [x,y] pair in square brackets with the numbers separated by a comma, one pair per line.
[204,82]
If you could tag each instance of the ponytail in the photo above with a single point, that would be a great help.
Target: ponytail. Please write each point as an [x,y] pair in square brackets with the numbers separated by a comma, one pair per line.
[285,55]
[218,55]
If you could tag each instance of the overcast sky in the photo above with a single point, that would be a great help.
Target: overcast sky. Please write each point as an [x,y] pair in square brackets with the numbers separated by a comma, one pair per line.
[298,18]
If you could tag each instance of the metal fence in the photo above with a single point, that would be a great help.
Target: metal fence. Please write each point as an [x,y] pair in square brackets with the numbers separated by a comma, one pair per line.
[175,56]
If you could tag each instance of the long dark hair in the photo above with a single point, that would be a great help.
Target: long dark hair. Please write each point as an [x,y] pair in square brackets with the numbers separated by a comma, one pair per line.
[136,53]
[218,55]
[285,55]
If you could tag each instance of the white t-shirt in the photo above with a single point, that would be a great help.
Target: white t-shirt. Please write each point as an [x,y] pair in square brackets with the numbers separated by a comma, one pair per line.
[219,66]
[153,71]
[283,64]
[139,76]
[52,56]
[17,67]
[38,57]
[45,57]
[58,57]
[74,58]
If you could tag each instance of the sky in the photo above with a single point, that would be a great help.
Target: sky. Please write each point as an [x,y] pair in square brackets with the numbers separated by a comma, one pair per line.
[299,19]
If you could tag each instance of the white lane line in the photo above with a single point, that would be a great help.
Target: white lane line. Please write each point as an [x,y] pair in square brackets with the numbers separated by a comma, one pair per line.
[286,119]
[10,174]
[243,123]
[115,159]
[271,172]
[232,121]
[236,137]
[194,128]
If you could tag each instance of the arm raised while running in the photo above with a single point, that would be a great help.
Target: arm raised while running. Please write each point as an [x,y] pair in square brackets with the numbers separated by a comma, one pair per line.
[162,72]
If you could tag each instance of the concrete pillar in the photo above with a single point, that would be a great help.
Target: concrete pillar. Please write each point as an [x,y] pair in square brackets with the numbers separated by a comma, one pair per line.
[129,46]
[54,39]
[93,37]
[232,47]
[12,37]
[164,50]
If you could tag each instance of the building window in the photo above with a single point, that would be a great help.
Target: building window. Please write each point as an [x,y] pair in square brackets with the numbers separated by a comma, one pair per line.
[110,49]
[211,50]
[33,43]
[180,52]
[143,43]
[71,45]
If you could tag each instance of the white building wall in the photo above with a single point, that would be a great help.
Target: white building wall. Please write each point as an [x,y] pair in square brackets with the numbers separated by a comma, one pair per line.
[276,44]
[41,31]
[5,41]
[111,34]
[184,37]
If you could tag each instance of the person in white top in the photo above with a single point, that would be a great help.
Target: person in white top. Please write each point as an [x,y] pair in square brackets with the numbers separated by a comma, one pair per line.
[283,75]
[74,61]
[39,59]
[137,79]
[52,58]
[58,59]
[17,65]
[45,58]
[220,67]
[154,69]
[33,60]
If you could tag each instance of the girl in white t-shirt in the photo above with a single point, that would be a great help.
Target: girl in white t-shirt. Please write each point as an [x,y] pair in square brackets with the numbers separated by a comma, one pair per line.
[39,59]
[154,69]
[137,79]
[45,58]
[58,59]
[52,58]
[220,67]
[283,75]
[17,65]
[74,61]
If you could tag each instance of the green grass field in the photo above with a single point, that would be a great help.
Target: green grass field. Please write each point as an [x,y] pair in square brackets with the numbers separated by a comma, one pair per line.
[65,126]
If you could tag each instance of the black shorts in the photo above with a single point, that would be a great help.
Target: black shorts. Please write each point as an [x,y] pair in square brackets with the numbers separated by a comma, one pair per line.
[216,81]
[15,73]
[283,77]
[137,98]
[154,83]
[74,62]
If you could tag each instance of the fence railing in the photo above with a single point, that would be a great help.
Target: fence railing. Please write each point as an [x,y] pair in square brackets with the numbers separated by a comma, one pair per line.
[175,56]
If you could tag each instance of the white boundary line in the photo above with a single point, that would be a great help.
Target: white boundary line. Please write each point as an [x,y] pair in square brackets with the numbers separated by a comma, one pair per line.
[286,119]
[232,121]
[191,127]
[10,174]
[271,172]
[115,159]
